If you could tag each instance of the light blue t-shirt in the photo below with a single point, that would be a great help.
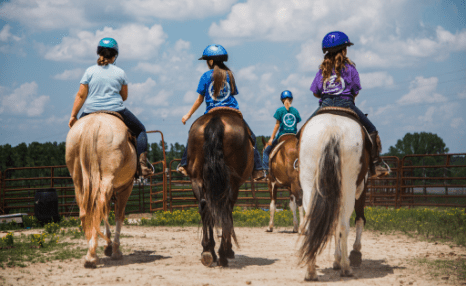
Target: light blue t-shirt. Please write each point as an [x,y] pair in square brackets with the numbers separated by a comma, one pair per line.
[225,97]
[288,120]
[104,85]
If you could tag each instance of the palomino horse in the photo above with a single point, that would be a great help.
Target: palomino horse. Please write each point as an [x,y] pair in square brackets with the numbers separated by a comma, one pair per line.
[283,172]
[220,159]
[102,162]
[334,159]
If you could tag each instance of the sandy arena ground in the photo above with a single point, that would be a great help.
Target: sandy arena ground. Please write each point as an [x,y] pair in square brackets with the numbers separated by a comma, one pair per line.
[171,256]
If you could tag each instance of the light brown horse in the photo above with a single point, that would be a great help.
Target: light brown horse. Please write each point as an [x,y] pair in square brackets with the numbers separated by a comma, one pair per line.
[219,160]
[102,162]
[283,172]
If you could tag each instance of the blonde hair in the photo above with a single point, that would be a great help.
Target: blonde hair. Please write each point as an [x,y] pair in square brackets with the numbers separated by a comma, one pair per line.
[334,61]
[220,72]
[287,103]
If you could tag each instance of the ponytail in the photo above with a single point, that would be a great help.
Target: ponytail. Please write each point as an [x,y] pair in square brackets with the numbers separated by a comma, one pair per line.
[105,56]
[334,61]
[220,72]
[287,103]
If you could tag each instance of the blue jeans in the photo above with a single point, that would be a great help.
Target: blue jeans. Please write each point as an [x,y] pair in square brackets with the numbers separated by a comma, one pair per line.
[341,102]
[257,161]
[136,127]
[266,154]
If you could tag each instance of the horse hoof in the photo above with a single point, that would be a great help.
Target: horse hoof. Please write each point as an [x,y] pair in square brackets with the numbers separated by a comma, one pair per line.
[206,259]
[108,250]
[231,254]
[336,266]
[355,258]
[117,255]
[294,231]
[269,230]
[346,273]
[308,277]
[223,262]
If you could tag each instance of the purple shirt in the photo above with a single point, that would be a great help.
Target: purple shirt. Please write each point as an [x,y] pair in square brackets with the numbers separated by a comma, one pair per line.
[348,86]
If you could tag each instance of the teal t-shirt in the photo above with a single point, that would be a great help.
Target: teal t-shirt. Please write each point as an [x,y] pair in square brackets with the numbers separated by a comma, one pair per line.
[288,120]
[104,85]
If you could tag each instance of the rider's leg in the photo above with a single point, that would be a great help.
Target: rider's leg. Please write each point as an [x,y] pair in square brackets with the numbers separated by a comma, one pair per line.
[183,162]
[266,154]
[258,172]
[139,130]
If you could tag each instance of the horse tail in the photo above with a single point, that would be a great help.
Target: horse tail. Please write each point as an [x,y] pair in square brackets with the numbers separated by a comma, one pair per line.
[92,193]
[325,204]
[216,179]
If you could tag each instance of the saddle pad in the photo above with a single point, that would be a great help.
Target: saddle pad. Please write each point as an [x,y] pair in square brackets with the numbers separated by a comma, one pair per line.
[226,109]
[116,114]
[330,109]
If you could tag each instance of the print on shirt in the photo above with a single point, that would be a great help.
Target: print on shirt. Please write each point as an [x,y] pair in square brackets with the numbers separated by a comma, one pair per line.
[289,120]
[332,87]
[223,93]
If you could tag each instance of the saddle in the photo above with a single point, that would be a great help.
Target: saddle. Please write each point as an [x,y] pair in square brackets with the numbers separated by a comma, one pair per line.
[281,141]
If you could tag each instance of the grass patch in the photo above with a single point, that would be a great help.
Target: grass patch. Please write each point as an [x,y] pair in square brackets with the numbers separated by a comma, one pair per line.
[441,268]
[39,248]
[445,225]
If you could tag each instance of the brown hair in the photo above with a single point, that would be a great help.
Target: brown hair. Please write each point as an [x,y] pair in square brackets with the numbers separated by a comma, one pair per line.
[105,56]
[219,77]
[334,61]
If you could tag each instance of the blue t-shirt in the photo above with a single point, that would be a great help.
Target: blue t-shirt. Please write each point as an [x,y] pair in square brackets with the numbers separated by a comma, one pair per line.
[104,85]
[225,97]
[288,120]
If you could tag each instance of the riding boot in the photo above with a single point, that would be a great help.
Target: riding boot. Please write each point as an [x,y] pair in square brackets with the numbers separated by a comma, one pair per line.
[145,171]
[181,170]
[375,169]
[258,175]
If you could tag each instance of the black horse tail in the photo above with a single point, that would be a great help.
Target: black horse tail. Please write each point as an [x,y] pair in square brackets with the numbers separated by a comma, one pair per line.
[216,179]
[325,204]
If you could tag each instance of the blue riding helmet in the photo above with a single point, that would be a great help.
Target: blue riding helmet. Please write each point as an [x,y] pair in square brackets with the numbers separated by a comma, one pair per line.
[286,94]
[335,41]
[215,52]
[108,43]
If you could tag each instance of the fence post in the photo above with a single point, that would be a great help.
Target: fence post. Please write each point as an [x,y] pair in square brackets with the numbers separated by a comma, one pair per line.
[2,211]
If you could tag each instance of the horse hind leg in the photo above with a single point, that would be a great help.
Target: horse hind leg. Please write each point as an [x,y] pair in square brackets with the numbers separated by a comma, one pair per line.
[355,256]
[108,249]
[122,198]
[273,193]
[311,273]
[292,206]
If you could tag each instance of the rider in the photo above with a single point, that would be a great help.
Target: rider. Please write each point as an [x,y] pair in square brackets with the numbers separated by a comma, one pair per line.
[287,118]
[104,87]
[337,84]
[217,87]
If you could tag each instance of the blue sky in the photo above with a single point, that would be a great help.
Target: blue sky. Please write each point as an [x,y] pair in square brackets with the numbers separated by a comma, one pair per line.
[411,56]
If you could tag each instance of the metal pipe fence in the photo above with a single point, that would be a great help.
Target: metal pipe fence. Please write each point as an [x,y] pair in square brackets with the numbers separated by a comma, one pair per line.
[415,180]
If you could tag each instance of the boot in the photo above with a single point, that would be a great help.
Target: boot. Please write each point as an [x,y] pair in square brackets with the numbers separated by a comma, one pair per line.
[145,171]
[181,170]
[258,175]
[375,169]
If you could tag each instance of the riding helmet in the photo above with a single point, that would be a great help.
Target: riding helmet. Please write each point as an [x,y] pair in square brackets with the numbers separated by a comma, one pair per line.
[335,41]
[215,52]
[286,94]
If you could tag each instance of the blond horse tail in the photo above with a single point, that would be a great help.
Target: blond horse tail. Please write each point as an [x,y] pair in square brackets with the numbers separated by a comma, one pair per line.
[94,191]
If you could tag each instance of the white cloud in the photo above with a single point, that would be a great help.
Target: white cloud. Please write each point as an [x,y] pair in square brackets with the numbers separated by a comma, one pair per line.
[375,79]
[135,42]
[247,74]
[70,74]
[422,90]
[7,36]
[24,101]
[148,68]
[427,117]
[457,122]
[190,96]
[10,43]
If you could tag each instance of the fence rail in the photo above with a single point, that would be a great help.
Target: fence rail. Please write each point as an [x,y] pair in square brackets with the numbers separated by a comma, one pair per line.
[415,180]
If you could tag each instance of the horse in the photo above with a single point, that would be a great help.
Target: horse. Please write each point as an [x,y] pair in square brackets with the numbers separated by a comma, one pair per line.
[334,159]
[219,160]
[283,172]
[102,161]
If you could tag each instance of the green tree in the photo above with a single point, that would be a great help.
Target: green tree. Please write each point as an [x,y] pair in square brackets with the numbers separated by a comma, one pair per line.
[418,143]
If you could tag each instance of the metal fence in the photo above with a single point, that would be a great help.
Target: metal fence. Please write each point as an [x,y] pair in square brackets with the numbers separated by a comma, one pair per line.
[415,180]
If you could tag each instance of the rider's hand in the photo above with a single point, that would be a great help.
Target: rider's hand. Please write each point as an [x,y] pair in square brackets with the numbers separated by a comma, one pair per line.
[72,121]
[185,118]
[270,142]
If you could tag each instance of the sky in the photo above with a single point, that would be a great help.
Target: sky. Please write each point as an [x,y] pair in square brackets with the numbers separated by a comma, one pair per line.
[411,57]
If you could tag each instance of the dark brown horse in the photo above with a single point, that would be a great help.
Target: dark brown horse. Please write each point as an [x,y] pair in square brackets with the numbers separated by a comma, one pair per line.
[219,161]
[283,172]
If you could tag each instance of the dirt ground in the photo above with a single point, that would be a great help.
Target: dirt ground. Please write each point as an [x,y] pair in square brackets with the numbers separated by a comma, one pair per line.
[171,256]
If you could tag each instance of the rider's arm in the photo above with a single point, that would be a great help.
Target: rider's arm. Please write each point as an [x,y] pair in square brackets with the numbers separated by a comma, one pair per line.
[124,92]
[194,108]
[80,99]
[275,129]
